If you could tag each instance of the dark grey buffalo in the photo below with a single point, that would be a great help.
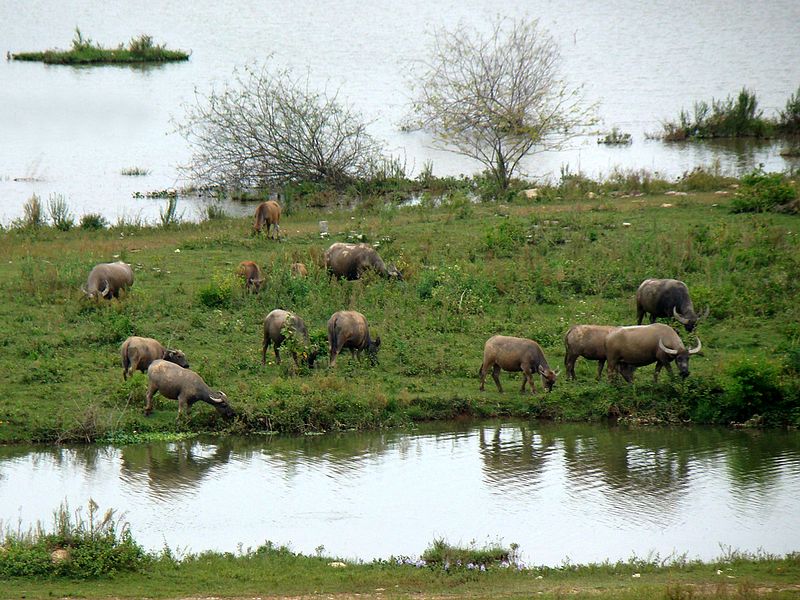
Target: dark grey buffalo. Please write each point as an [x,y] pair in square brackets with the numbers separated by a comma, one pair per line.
[349,329]
[351,261]
[107,280]
[588,341]
[183,385]
[638,345]
[515,354]
[138,352]
[666,298]
[277,325]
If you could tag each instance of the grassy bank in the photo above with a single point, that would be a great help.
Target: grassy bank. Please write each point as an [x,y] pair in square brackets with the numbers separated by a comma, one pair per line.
[530,268]
[96,556]
[85,52]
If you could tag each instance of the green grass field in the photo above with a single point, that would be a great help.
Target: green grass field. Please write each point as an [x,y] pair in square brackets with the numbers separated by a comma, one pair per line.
[471,271]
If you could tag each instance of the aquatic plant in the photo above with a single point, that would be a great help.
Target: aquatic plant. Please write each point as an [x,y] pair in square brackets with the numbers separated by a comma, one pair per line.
[615,138]
[85,51]
[135,172]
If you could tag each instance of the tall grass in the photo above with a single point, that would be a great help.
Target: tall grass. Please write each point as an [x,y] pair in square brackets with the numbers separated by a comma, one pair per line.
[731,117]
[60,214]
[168,216]
[77,545]
[32,214]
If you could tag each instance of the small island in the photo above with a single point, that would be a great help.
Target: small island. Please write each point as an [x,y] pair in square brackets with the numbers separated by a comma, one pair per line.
[86,52]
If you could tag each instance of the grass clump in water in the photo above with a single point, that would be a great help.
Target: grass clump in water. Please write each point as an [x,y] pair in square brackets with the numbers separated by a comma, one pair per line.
[84,51]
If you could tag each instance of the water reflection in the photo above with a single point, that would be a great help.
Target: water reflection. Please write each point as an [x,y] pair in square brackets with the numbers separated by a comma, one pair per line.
[588,491]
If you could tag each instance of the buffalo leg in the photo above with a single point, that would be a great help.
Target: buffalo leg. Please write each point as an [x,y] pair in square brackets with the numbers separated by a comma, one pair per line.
[496,377]
[600,364]
[569,365]
[626,371]
[148,406]
[264,347]
[640,312]
[482,375]
[277,354]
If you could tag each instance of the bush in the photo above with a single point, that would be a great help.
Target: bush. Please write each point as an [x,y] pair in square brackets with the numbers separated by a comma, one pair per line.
[33,214]
[789,121]
[93,221]
[76,547]
[762,191]
[59,212]
[753,391]
[504,240]
[219,293]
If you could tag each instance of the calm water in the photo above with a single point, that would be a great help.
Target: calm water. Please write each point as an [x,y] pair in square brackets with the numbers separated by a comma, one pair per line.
[580,491]
[70,131]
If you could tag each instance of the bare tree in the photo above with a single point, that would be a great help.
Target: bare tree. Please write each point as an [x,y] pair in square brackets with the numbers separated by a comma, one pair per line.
[496,97]
[270,128]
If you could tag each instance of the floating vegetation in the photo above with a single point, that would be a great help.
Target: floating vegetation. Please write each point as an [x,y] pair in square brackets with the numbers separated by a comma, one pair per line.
[615,138]
[86,52]
[135,172]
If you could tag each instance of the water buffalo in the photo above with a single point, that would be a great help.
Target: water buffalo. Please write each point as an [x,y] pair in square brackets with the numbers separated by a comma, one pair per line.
[349,329]
[516,354]
[268,213]
[183,385]
[139,352]
[351,261]
[107,280]
[298,269]
[251,272]
[666,298]
[639,345]
[588,341]
[277,325]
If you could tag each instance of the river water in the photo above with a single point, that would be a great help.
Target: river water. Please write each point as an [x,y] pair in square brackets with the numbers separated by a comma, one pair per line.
[72,130]
[561,491]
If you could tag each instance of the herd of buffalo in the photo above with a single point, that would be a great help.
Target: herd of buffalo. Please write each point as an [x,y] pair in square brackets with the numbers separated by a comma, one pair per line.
[624,348]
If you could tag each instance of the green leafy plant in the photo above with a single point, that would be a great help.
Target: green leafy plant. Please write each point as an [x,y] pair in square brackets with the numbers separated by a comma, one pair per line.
[760,192]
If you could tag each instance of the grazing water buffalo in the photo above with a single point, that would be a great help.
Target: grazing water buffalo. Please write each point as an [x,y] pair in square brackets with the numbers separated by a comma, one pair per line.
[349,329]
[588,341]
[351,261]
[298,269]
[251,272]
[516,354]
[276,325]
[639,345]
[268,213]
[139,352]
[107,280]
[183,385]
[666,298]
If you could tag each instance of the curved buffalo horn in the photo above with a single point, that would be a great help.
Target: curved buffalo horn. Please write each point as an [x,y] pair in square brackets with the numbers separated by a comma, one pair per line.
[697,348]
[683,320]
[105,290]
[217,400]
[541,369]
[705,312]
[665,349]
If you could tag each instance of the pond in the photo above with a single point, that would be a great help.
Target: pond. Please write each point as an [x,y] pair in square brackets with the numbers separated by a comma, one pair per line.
[561,491]
[71,131]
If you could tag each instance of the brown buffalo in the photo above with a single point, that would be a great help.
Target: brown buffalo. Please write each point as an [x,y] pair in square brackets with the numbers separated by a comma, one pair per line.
[298,269]
[268,213]
[515,354]
[276,326]
[139,352]
[351,261]
[183,385]
[107,280]
[666,298]
[251,272]
[638,345]
[588,341]
[349,329]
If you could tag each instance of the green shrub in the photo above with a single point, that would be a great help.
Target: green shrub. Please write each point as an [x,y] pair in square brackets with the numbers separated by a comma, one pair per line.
[504,240]
[76,547]
[93,221]
[754,390]
[219,292]
[33,214]
[59,213]
[789,121]
[760,192]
